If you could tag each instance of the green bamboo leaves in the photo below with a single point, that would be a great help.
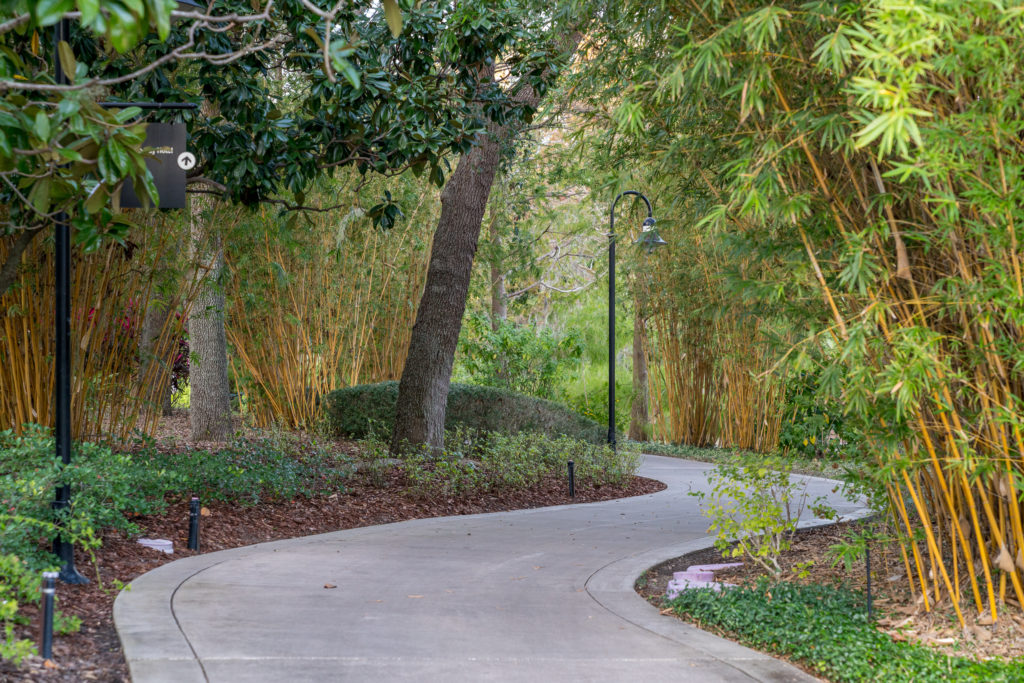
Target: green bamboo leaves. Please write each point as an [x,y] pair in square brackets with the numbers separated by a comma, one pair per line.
[859,165]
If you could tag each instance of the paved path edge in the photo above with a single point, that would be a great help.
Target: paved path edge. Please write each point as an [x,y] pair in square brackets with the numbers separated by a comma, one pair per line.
[153,641]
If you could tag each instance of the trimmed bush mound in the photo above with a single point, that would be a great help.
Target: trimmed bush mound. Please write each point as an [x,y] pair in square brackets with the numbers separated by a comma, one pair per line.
[826,628]
[357,411]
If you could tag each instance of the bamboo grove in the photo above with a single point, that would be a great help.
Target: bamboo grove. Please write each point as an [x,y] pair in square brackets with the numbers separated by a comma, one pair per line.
[861,164]
[114,389]
[315,302]
[713,382]
[326,305]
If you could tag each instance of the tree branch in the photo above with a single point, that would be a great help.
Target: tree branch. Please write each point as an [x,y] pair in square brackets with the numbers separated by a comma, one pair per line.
[9,271]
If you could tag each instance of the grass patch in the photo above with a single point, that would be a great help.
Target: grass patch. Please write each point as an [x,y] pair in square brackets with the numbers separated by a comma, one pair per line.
[826,628]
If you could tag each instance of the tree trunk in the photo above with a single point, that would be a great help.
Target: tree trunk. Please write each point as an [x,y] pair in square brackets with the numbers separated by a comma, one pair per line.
[639,417]
[423,390]
[210,398]
[17,247]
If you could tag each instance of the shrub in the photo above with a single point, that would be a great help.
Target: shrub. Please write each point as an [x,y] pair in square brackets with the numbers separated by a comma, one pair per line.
[826,628]
[105,485]
[475,461]
[754,507]
[356,411]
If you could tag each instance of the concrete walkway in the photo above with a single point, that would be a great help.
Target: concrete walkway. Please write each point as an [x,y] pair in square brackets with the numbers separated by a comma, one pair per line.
[533,595]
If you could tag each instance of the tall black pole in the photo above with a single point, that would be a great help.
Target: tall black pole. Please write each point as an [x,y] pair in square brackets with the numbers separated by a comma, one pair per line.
[611,309]
[62,357]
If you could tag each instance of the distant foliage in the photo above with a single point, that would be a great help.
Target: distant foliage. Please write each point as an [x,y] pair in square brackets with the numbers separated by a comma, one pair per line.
[523,358]
[816,426]
[358,411]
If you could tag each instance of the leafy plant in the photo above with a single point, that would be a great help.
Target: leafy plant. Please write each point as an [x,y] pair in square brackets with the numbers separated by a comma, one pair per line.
[853,167]
[109,484]
[852,548]
[826,628]
[754,507]
[249,471]
[474,461]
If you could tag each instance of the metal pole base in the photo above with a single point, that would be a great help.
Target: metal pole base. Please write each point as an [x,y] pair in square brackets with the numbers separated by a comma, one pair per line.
[68,574]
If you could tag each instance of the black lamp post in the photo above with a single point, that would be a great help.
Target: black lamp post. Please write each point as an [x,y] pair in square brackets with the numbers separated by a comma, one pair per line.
[649,239]
[63,548]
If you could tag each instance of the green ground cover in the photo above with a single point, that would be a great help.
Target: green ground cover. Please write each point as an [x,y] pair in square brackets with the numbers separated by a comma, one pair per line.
[827,629]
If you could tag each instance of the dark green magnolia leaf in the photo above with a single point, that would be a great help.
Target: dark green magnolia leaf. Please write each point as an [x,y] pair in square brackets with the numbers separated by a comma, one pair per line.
[106,168]
[125,115]
[40,195]
[350,73]
[119,156]
[67,58]
[67,107]
[97,199]
[152,195]
[69,154]
[160,13]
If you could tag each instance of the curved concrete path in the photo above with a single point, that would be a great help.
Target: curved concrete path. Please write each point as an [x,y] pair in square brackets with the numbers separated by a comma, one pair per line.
[532,595]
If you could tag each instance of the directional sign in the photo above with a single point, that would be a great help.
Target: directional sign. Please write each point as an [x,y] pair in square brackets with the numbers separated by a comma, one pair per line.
[167,161]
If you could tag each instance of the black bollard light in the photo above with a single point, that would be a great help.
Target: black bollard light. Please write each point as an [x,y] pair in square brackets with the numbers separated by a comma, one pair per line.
[193,524]
[572,479]
[49,592]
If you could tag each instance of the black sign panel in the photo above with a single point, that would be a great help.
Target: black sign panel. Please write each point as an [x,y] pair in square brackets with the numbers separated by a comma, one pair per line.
[168,161]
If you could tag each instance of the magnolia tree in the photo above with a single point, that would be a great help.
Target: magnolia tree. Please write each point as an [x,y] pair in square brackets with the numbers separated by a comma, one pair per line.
[286,92]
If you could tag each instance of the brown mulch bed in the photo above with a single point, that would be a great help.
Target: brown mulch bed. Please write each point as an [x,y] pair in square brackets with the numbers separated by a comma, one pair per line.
[94,653]
[897,612]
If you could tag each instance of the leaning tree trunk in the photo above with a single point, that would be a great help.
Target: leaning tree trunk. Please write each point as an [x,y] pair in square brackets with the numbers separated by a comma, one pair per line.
[210,396]
[423,390]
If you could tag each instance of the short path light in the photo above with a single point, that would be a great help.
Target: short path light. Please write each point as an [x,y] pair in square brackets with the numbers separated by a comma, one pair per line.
[649,239]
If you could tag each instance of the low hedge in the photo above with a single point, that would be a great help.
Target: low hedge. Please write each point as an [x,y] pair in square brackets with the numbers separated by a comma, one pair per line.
[355,411]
